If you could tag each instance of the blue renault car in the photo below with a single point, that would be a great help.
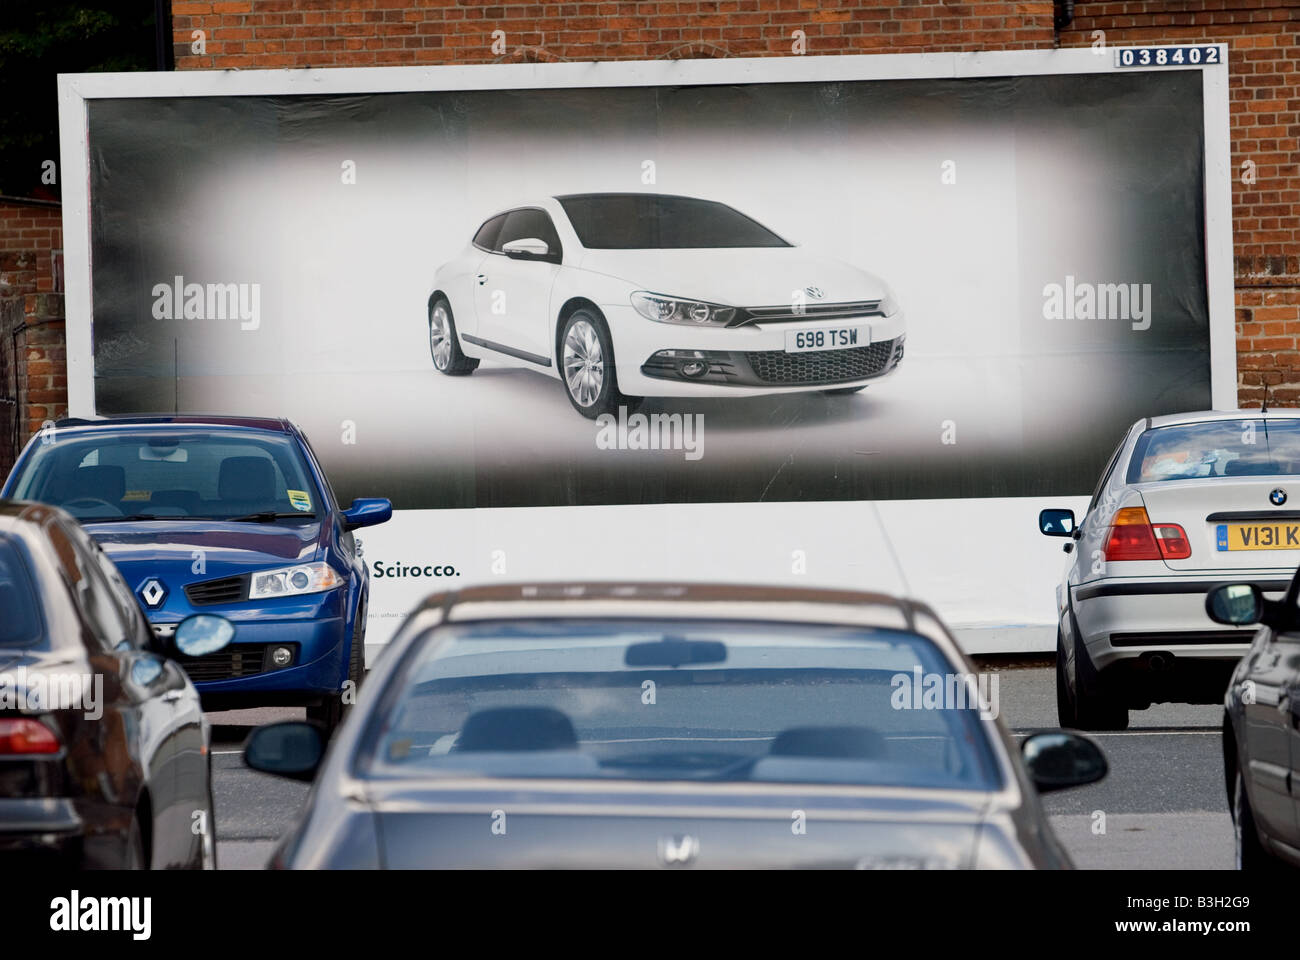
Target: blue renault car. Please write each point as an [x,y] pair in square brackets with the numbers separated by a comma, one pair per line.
[225,515]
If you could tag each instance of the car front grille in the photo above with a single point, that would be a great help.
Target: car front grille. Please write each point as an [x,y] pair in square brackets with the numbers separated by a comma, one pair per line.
[786,313]
[821,366]
[225,590]
[237,660]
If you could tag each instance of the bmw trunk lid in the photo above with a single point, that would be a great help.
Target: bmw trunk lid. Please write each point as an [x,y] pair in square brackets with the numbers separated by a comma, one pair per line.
[1232,523]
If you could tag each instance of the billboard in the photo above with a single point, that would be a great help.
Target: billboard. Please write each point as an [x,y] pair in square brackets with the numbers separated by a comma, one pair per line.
[849,320]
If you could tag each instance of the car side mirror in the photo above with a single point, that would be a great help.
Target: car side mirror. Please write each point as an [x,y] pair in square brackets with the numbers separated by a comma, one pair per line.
[528,248]
[1060,759]
[291,748]
[1055,522]
[1236,604]
[367,512]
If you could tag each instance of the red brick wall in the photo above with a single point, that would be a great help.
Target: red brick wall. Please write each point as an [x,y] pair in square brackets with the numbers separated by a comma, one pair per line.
[33,365]
[334,33]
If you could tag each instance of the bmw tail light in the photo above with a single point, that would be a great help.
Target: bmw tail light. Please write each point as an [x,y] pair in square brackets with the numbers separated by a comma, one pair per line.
[1134,537]
[24,737]
[1172,540]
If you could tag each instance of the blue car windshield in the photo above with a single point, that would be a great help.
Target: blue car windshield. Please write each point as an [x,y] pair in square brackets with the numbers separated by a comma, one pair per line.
[170,475]
[685,700]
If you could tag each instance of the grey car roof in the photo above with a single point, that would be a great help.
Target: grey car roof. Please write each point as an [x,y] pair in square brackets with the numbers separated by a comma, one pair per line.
[1200,416]
[713,601]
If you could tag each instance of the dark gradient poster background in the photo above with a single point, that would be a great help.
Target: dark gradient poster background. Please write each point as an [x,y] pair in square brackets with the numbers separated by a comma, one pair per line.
[1098,178]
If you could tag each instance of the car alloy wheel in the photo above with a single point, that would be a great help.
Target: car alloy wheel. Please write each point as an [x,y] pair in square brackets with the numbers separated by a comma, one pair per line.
[440,337]
[584,363]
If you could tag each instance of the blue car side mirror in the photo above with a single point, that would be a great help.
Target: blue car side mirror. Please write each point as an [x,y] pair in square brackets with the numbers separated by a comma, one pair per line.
[367,512]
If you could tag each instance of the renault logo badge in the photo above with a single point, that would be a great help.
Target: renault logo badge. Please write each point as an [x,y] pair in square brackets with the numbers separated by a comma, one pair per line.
[153,593]
[1277,497]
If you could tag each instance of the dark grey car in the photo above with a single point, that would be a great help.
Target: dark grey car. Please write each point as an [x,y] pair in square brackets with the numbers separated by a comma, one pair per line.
[1261,724]
[642,726]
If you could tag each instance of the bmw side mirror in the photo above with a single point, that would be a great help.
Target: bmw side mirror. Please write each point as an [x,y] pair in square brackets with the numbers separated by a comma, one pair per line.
[529,248]
[292,748]
[1060,759]
[1056,522]
[367,512]
[1236,604]
[203,633]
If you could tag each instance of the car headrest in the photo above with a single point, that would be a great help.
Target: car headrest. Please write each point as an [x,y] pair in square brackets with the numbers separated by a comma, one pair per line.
[843,742]
[517,728]
[1243,467]
[246,478]
[105,482]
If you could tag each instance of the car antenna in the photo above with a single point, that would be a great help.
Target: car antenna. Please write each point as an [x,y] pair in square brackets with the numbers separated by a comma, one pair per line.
[1264,406]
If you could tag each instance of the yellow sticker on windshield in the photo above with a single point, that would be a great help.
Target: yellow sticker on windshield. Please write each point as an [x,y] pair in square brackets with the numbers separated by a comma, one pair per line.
[137,495]
[299,500]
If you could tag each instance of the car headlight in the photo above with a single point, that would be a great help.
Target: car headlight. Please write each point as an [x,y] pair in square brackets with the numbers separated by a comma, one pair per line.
[292,581]
[694,313]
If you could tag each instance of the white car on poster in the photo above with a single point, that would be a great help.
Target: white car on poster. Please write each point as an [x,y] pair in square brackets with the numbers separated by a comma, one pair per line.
[630,295]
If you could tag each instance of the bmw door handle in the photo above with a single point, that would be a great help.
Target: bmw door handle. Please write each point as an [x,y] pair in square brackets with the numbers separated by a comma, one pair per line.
[481,278]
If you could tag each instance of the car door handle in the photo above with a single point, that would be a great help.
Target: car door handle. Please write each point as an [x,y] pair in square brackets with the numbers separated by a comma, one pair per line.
[481,278]
[171,696]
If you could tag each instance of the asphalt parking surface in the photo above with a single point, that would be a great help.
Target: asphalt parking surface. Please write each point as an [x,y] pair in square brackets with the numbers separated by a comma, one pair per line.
[1162,805]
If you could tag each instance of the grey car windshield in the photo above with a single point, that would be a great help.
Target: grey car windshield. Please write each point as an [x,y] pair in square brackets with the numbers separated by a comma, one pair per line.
[163,474]
[1217,448]
[619,221]
[684,700]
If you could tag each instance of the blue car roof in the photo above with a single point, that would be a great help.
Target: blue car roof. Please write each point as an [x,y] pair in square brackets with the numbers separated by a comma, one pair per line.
[272,424]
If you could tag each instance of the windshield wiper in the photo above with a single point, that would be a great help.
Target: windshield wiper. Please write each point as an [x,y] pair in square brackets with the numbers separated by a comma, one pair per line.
[269,516]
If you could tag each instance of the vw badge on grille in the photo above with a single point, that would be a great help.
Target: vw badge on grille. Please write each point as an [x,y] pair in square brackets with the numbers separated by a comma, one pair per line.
[678,850]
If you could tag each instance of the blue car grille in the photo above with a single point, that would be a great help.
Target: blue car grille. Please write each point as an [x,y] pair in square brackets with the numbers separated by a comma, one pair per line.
[239,660]
[226,590]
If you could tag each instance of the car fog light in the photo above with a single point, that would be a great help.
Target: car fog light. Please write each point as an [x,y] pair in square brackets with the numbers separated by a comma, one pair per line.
[281,656]
[694,368]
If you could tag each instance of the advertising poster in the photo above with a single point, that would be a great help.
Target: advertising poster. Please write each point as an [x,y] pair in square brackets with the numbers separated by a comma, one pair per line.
[704,330]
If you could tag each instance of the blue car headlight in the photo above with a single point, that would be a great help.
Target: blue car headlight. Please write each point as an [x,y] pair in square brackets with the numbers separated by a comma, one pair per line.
[293,581]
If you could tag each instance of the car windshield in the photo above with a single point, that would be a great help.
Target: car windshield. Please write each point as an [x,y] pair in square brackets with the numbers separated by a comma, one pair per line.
[170,475]
[1219,448]
[20,618]
[623,221]
[682,700]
